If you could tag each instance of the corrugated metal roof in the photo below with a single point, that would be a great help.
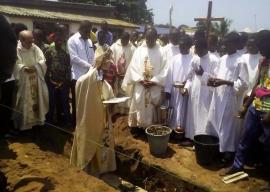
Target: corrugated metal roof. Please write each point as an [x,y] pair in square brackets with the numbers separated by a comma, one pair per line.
[27,12]
[160,30]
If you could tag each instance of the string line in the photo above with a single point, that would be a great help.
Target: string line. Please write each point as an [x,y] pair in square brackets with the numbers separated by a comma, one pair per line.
[145,163]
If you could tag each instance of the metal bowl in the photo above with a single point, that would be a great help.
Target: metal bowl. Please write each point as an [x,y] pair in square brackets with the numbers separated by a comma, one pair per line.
[179,129]
[178,84]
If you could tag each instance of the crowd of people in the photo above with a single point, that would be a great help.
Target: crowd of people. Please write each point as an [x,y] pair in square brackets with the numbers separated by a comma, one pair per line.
[210,83]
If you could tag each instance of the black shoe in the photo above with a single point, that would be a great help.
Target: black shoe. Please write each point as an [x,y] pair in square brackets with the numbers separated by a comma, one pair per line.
[69,126]
[187,143]
[136,132]
[229,171]
[222,163]
[225,160]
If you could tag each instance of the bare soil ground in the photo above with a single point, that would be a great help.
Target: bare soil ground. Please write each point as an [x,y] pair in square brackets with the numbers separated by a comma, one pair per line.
[39,161]
[34,162]
[176,170]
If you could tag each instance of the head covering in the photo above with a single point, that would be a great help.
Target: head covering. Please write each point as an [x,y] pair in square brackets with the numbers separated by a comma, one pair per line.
[100,54]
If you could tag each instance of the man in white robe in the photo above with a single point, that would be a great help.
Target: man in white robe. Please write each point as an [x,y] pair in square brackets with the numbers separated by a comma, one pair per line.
[122,52]
[231,85]
[241,46]
[172,48]
[213,40]
[252,59]
[178,72]
[32,100]
[199,34]
[144,80]
[258,118]
[203,66]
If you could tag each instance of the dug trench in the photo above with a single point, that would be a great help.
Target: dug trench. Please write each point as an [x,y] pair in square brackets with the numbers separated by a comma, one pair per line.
[38,160]
[176,170]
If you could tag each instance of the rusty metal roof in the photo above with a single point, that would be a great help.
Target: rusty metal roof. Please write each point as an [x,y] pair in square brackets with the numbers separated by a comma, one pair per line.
[38,13]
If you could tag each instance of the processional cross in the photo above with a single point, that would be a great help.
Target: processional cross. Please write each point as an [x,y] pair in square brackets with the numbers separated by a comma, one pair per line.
[208,19]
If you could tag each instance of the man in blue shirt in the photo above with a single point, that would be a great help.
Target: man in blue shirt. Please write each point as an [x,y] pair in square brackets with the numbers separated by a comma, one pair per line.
[109,36]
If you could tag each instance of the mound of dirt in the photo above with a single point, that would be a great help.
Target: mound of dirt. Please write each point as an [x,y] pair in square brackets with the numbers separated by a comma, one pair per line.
[158,130]
[37,161]
[176,170]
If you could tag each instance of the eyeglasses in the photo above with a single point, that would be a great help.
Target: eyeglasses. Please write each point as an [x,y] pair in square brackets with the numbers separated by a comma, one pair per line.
[28,42]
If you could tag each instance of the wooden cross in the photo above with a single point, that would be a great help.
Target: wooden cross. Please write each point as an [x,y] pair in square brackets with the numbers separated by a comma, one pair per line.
[208,19]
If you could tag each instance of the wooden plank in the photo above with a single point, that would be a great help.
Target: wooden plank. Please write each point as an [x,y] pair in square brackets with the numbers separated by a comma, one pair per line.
[212,19]
[237,178]
[233,175]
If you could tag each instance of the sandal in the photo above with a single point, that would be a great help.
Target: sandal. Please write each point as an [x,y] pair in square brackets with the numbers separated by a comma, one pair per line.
[14,132]
[8,136]
[229,171]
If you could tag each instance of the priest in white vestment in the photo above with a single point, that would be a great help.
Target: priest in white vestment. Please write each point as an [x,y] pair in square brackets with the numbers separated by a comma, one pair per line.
[93,143]
[122,52]
[203,67]
[178,72]
[32,100]
[144,81]
[230,85]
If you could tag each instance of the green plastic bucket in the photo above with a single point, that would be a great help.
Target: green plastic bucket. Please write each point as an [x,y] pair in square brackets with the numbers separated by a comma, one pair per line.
[158,143]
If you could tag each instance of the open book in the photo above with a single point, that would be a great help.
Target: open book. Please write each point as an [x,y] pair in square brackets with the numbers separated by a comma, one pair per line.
[117,100]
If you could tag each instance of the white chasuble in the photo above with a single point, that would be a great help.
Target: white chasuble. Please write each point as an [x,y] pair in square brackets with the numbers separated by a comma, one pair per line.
[146,64]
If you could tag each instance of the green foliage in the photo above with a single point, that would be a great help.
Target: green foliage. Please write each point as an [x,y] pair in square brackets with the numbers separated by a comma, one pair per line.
[201,25]
[220,29]
[223,27]
[134,11]
[162,25]
[182,26]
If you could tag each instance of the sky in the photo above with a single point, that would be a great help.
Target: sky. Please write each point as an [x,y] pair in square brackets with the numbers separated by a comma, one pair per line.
[242,12]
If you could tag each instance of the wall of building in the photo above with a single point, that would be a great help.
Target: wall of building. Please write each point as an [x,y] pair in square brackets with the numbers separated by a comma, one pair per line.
[73,27]
[27,21]
[7,17]
[128,30]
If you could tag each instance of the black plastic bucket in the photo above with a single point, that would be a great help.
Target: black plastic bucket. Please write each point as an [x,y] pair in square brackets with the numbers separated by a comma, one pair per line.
[206,149]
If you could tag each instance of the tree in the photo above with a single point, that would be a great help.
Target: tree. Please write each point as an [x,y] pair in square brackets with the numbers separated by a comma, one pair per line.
[220,29]
[223,27]
[162,25]
[134,11]
[201,25]
[182,26]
